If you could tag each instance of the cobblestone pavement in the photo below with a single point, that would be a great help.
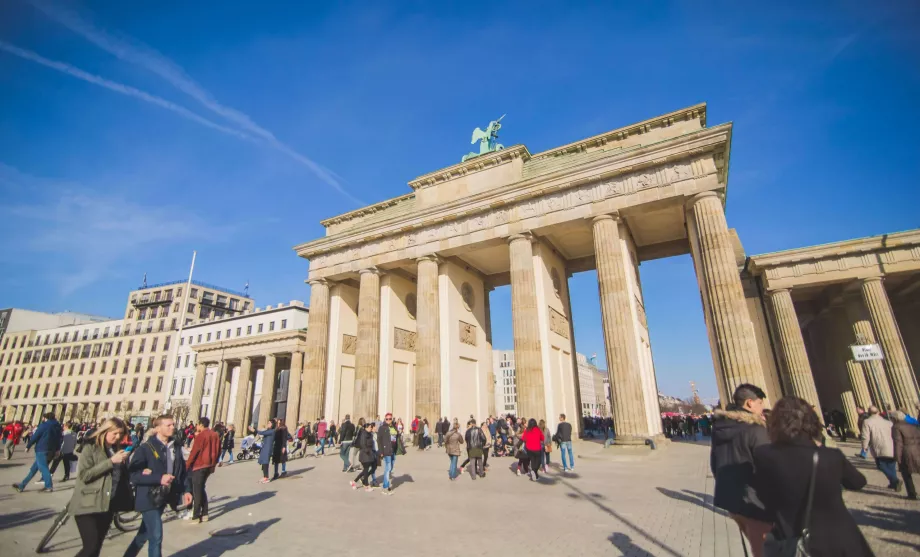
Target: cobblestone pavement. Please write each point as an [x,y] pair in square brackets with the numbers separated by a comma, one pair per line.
[625,504]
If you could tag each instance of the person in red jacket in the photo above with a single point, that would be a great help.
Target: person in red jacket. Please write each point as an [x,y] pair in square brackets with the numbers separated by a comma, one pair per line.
[533,442]
[12,434]
[201,463]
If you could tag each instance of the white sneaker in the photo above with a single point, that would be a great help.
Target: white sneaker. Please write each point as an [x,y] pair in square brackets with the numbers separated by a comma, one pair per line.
[353,485]
[518,471]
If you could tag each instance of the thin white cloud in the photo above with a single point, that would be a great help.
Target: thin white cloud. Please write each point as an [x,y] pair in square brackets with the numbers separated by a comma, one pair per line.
[141,55]
[73,71]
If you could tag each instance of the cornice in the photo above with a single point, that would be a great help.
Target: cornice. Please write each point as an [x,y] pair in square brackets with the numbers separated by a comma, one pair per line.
[369,210]
[475,164]
[897,240]
[287,335]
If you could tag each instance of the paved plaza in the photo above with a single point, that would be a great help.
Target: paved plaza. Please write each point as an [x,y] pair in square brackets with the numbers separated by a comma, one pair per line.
[613,505]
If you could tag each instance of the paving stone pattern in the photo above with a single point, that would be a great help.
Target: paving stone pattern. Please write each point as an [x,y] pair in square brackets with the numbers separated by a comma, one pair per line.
[614,504]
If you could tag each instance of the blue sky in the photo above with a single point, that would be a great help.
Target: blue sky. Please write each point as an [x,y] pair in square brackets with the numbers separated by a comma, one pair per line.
[133,133]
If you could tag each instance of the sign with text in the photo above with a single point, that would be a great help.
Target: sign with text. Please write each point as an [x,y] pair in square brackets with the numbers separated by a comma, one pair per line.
[866,352]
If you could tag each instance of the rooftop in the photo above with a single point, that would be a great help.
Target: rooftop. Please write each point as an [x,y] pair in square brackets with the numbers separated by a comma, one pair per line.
[196,283]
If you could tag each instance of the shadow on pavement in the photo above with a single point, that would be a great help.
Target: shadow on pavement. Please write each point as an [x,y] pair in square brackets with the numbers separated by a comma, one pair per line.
[240,502]
[397,481]
[699,499]
[13,520]
[901,542]
[624,544]
[893,519]
[227,540]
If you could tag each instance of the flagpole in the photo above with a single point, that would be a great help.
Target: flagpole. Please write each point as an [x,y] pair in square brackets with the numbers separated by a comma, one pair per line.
[182,310]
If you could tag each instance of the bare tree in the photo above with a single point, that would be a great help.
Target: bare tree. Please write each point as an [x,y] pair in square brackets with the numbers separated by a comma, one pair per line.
[180,411]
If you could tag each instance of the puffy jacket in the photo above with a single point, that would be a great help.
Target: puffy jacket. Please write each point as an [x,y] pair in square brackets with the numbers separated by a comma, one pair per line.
[46,437]
[347,432]
[452,442]
[735,435]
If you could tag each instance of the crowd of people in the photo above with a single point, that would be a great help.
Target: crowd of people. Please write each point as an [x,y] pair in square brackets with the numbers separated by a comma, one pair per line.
[779,481]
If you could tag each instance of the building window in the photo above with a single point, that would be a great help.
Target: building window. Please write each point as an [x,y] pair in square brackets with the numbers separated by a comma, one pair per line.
[228,333]
[159,383]
[150,364]
[284,323]
[117,330]
[182,388]
[153,344]
[217,335]
[118,349]
[127,365]
[137,366]
[137,329]
[156,404]
[130,348]
[92,368]
[239,331]
[147,384]
[166,343]
[143,404]
[82,367]
[191,308]
[102,369]
[271,326]
[178,361]
[249,329]
[134,385]
[163,363]
[199,339]
[172,391]
[260,328]
[108,390]
[209,337]
[142,313]
[150,326]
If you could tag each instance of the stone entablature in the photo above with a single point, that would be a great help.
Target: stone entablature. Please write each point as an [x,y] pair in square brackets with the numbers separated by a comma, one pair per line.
[683,165]
[839,262]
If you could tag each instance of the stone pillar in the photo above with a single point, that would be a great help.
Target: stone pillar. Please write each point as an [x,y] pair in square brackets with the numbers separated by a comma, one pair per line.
[313,384]
[293,394]
[733,331]
[217,399]
[367,355]
[531,401]
[224,402]
[872,372]
[428,353]
[620,341]
[240,419]
[268,390]
[900,376]
[792,347]
[490,377]
[197,391]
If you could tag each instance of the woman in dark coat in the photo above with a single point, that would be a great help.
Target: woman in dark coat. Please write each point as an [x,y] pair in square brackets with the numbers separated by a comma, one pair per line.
[906,439]
[279,447]
[268,444]
[366,440]
[782,474]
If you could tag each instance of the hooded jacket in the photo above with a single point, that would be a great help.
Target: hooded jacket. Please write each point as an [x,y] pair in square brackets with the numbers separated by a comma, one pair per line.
[735,435]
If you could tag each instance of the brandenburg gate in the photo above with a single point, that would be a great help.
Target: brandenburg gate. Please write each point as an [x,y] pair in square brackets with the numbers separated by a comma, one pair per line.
[399,306]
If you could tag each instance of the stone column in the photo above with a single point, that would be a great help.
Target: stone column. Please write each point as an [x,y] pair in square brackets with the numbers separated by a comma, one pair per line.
[197,391]
[531,401]
[620,340]
[293,394]
[240,419]
[313,384]
[367,354]
[268,390]
[872,372]
[900,376]
[792,347]
[224,402]
[428,353]
[490,377]
[733,331]
[217,399]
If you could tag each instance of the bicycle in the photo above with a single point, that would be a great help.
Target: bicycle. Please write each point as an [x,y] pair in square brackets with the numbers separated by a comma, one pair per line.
[127,521]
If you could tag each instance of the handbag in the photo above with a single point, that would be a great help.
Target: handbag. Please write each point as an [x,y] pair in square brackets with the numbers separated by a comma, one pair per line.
[794,545]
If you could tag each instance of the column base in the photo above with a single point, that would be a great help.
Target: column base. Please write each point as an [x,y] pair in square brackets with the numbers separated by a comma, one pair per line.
[639,442]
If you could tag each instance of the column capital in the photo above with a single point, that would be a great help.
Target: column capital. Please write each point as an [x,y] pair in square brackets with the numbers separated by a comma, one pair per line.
[373,270]
[430,257]
[319,281]
[867,280]
[614,216]
[701,196]
[521,236]
[774,291]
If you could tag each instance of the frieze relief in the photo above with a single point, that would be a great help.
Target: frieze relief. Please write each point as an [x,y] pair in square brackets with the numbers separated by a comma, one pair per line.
[467,333]
[622,184]
[349,344]
[404,340]
[558,323]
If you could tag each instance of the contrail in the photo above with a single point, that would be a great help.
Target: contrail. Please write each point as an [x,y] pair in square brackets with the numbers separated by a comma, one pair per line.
[118,88]
[141,55]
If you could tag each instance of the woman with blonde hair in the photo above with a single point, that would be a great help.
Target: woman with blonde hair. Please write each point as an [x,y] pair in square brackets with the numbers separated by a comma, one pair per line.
[102,487]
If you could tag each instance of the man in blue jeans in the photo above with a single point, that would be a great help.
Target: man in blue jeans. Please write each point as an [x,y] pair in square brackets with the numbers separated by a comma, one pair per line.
[386,444]
[563,436]
[47,441]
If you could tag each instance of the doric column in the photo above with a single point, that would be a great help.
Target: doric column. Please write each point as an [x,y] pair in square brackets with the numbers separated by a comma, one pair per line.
[428,353]
[240,418]
[900,376]
[217,399]
[872,372]
[293,394]
[490,377]
[619,333]
[313,385]
[367,354]
[792,346]
[268,390]
[197,391]
[531,401]
[733,332]
[224,402]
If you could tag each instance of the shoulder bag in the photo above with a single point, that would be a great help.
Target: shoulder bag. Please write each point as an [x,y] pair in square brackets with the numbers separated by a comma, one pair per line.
[159,495]
[794,545]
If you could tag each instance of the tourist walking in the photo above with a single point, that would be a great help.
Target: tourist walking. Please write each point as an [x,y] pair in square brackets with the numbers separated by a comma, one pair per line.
[547,444]
[387,439]
[346,439]
[321,427]
[156,462]
[279,448]
[906,438]
[564,438]
[268,446]
[533,443]
[12,433]
[367,455]
[202,461]
[452,441]
[736,432]
[792,465]
[355,449]
[47,440]
[475,446]
[877,439]
[228,443]
[66,453]
[102,486]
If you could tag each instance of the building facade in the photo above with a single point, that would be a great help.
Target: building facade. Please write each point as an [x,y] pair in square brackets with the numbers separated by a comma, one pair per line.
[116,367]
[594,401]
[505,382]
[15,320]
[240,369]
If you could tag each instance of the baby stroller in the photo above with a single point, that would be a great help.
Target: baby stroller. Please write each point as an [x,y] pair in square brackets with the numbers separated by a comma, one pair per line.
[249,448]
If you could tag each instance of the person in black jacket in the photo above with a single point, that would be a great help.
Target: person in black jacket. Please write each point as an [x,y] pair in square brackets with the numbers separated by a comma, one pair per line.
[782,476]
[366,441]
[387,438]
[736,432]
[346,438]
[157,462]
